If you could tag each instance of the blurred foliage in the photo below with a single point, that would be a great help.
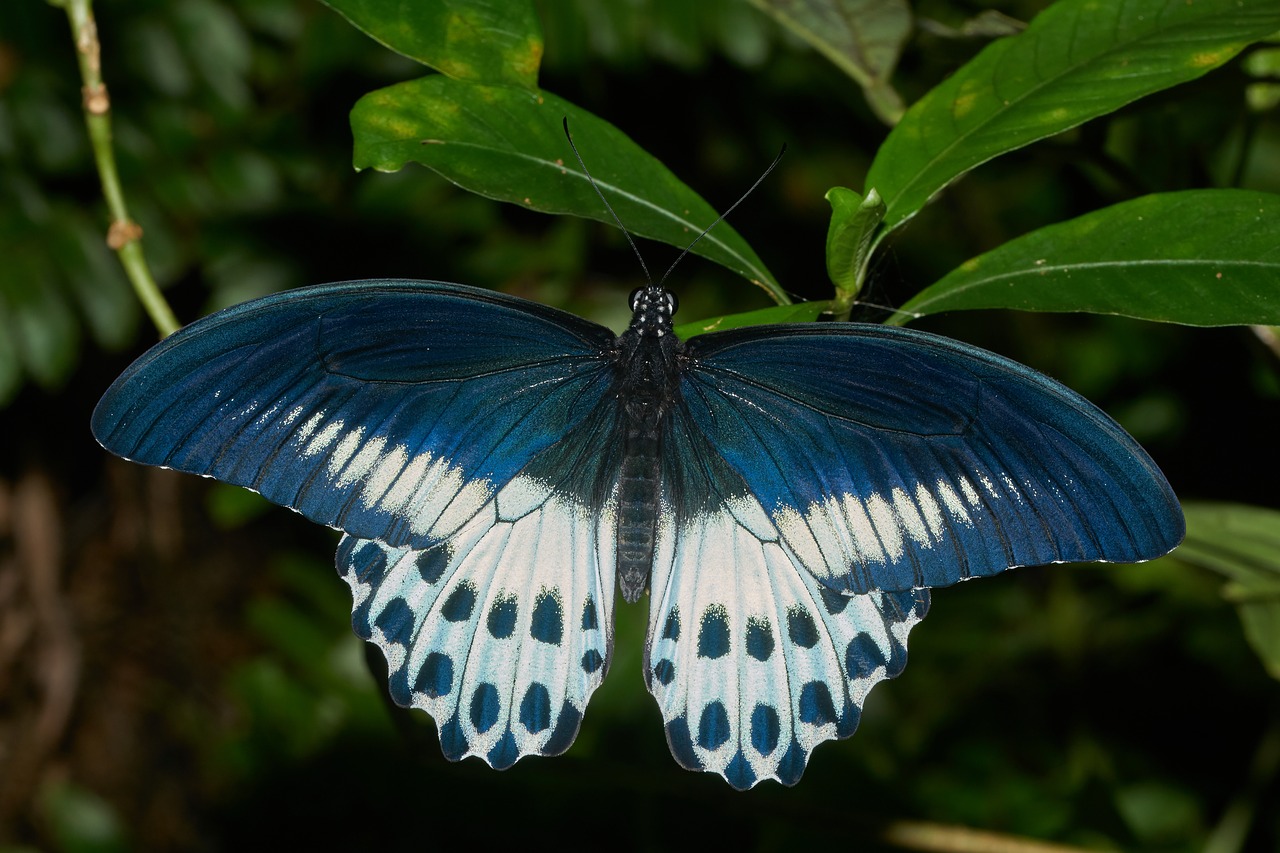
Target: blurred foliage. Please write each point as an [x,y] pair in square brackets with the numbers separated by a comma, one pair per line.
[222,699]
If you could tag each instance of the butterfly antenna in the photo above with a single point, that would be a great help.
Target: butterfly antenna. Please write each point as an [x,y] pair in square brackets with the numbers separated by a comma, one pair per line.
[705,231]
[608,207]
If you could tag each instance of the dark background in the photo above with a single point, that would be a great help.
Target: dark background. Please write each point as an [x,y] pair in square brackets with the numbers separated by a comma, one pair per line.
[176,664]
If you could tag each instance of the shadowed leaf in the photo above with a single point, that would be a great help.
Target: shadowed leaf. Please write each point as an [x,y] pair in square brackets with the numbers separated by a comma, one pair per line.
[862,37]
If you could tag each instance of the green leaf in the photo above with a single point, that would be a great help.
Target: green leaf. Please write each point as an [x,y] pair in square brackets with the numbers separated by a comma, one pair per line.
[80,820]
[1241,543]
[862,37]
[1079,59]
[485,41]
[854,220]
[989,23]
[1200,257]
[509,144]
[803,312]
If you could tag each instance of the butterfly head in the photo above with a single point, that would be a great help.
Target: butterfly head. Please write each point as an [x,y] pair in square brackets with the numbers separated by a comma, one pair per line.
[652,308]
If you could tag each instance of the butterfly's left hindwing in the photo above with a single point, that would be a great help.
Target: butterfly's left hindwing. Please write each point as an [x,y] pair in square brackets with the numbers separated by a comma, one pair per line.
[501,632]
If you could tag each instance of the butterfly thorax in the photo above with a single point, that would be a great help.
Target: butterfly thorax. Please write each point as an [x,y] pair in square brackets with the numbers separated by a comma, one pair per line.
[648,386]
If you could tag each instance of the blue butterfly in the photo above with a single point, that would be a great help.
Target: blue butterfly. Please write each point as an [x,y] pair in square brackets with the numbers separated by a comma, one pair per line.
[787,494]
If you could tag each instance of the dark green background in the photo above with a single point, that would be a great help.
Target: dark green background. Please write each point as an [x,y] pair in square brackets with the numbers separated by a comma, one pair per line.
[176,667]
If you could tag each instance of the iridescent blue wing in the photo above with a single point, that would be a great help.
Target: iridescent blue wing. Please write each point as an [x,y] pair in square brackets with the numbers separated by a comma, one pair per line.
[461,437]
[390,410]
[820,478]
[888,459]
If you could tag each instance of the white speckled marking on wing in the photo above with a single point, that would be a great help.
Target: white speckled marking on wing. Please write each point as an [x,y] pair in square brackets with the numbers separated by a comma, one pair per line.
[711,568]
[555,551]
[832,535]
[427,492]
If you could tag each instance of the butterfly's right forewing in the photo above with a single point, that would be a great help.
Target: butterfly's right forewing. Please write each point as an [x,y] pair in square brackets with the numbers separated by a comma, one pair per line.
[892,459]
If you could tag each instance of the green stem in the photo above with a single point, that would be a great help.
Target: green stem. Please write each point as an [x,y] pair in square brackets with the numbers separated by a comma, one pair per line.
[124,234]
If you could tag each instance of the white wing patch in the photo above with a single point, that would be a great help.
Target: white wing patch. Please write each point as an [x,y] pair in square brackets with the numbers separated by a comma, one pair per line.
[500,632]
[832,535]
[752,661]
[432,496]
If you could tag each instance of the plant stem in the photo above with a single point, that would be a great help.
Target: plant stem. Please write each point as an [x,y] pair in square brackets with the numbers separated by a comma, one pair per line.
[124,234]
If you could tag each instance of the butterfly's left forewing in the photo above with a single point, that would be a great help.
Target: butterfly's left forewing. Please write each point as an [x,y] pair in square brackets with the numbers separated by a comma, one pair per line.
[391,410]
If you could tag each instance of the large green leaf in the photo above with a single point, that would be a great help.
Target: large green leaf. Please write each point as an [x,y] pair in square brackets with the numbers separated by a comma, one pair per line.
[509,144]
[486,41]
[862,37]
[1200,257]
[1079,59]
[1241,543]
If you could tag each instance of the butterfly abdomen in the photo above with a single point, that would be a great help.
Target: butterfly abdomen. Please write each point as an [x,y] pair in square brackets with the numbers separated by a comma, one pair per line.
[638,488]
[648,387]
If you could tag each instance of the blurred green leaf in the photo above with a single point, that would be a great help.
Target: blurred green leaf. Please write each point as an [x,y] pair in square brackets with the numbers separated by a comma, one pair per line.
[580,33]
[230,507]
[1158,813]
[854,220]
[1199,257]
[1262,97]
[1241,543]
[219,48]
[509,144]
[10,365]
[802,312]
[484,41]
[1078,59]
[43,327]
[1264,62]
[989,23]
[862,37]
[82,822]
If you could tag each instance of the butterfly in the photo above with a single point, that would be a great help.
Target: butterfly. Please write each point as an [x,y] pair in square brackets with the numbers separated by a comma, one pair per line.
[501,469]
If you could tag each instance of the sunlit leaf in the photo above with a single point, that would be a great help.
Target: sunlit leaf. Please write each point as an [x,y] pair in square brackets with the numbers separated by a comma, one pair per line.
[1200,257]
[1078,59]
[803,312]
[509,144]
[862,37]
[485,41]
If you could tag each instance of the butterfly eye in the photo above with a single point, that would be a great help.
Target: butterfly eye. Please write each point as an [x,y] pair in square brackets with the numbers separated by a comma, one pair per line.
[634,299]
[673,304]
